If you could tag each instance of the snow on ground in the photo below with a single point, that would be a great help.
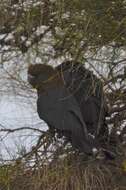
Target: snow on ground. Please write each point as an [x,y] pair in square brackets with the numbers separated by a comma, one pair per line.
[14,114]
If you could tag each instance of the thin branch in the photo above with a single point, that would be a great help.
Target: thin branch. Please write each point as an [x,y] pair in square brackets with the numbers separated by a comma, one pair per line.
[117,109]
[21,128]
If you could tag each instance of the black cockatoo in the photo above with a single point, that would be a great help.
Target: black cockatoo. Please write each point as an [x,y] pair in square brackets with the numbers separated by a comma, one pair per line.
[59,108]
[88,92]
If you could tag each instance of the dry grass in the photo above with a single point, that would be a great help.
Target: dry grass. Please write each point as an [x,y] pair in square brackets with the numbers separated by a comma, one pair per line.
[68,174]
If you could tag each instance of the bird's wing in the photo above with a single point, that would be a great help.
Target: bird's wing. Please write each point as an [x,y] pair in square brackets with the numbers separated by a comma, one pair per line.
[56,103]
[60,109]
[88,92]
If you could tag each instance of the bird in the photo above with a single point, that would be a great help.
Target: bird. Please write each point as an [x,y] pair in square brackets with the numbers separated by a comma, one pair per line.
[87,89]
[59,108]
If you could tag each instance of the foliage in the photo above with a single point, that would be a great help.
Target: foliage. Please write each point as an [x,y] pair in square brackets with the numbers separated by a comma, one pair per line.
[72,172]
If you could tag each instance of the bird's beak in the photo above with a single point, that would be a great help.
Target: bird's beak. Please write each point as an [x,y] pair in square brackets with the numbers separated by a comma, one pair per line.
[30,78]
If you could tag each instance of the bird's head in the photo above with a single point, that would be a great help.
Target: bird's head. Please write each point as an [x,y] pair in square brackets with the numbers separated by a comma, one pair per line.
[41,74]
